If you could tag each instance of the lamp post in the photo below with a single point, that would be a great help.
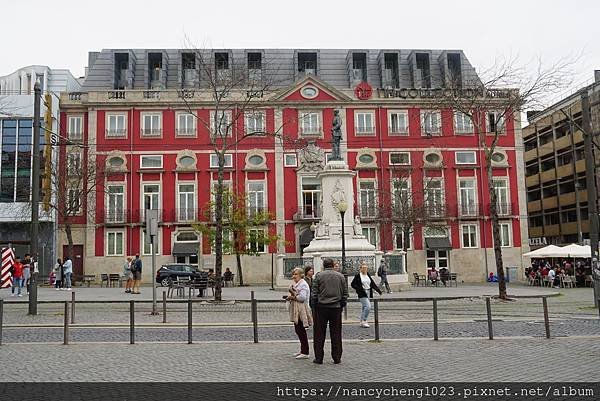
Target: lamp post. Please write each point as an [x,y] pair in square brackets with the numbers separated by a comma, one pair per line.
[342,207]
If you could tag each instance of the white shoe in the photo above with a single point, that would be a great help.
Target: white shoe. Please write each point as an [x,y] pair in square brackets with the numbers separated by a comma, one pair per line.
[302,356]
[57,289]
[365,324]
[12,294]
[68,289]
[297,353]
[20,295]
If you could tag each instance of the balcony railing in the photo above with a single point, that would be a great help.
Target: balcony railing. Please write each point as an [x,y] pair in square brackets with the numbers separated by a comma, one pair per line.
[368,211]
[469,209]
[307,212]
[116,132]
[435,210]
[188,214]
[186,131]
[308,131]
[364,130]
[151,132]
[397,129]
[504,209]
[253,211]
[112,216]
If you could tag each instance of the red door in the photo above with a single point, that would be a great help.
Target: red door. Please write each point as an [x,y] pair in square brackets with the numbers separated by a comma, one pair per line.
[77,258]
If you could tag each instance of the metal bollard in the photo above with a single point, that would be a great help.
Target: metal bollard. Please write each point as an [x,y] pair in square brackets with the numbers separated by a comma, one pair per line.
[376,311]
[189,321]
[1,318]
[546,320]
[131,322]
[435,320]
[254,312]
[73,307]
[164,307]
[66,325]
[488,306]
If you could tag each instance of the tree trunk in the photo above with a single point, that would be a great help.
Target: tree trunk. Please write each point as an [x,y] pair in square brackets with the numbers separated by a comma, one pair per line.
[405,246]
[238,259]
[495,229]
[69,234]
[219,228]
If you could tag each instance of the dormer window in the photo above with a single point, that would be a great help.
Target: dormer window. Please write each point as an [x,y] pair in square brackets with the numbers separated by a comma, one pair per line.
[121,69]
[423,72]
[307,63]
[359,67]
[390,69]
[221,61]
[188,69]
[454,70]
[155,64]
[254,66]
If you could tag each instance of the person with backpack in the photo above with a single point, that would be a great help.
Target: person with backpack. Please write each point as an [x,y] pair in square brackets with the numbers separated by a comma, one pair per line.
[136,270]
[382,272]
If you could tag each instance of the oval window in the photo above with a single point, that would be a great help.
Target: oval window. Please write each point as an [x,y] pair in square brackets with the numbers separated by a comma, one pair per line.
[498,157]
[432,158]
[309,92]
[187,161]
[366,158]
[255,160]
[116,162]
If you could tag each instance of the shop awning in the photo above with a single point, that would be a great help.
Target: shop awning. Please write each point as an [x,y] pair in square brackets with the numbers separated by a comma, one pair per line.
[185,248]
[438,244]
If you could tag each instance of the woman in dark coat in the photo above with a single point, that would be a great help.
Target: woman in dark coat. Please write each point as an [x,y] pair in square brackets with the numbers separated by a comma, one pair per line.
[364,285]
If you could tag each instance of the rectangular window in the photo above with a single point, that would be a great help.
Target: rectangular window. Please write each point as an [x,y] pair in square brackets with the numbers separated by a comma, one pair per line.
[367,199]
[430,122]
[371,234]
[214,161]
[399,239]
[75,128]
[151,124]
[290,160]
[467,198]
[256,197]
[114,243]
[115,204]
[401,195]
[311,197]
[186,124]
[462,123]
[434,197]
[151,197]
[255,123]
[505,235]
[400,158]
[398,122]
[494,122]
[73,202]
[116,125]
[502,197]
[309,124]
[364,122]
[469,235]
[256,240]
[148,246]
[222,125]
[74,163]
[151,161]
[254,67]
[466,158]
[187,205]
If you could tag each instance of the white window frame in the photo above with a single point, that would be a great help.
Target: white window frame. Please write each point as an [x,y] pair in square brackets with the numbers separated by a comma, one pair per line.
[371,208]
[438,196]
[225,120]
[403,189]
[265,247]
[252,196]
[306,126]
[472,233]
[188,213]
[214,160]
[508,237]
[151,130]
[287,163]
[146,246]
[465,152]
[401,130]
[499,201]
[251,120]
[185,129]
[398,232]
[74,167]
[143,195]
[71,195]
[75,127]
[501,122]
[399,153]
[142,157]
[315,195]
[463,125]
[427,126]
[364,129]
[466,207]
[372,232]
[117,132]
[115,216]
[115,234]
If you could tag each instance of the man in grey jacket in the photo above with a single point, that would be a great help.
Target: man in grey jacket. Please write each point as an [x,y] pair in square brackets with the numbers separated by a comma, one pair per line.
[328,298]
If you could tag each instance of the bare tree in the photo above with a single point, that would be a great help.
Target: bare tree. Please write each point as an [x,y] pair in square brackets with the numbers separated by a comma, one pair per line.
[486,103]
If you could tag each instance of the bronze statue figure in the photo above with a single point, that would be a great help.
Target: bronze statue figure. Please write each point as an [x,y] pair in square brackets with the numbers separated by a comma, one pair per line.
[336,134]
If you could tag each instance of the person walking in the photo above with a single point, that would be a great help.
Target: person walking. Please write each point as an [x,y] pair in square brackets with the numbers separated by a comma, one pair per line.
[58,278]
[327,299]
[68,272]
[300,313]
[27,265]
[364,285]
[382,272]
[128,275]
[17,276]
[136,269]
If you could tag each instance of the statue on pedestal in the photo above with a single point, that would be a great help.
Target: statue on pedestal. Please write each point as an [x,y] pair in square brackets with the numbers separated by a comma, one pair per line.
[336,135]
[357,227]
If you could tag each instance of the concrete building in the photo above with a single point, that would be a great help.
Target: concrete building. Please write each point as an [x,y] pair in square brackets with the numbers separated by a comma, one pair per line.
[557,197]
[16,136]
[142,112]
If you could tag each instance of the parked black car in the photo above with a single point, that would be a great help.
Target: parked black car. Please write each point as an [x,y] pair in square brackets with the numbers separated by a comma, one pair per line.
[167,273]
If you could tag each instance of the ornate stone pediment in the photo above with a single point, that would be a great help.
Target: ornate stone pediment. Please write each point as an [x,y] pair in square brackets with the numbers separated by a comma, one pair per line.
[312,158]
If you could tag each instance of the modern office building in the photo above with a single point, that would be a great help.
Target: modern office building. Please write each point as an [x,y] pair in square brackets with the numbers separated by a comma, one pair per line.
[557,196]
[147,116]
[16,136]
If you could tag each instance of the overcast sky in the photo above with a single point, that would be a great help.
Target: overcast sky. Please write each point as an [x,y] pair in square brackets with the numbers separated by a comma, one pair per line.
[60,33]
